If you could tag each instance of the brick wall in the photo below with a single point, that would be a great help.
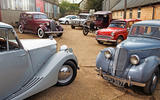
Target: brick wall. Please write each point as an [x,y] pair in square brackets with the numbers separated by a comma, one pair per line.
[146,13]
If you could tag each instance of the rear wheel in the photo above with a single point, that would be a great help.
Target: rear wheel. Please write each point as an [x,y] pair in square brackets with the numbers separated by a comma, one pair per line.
[67,74]
[119,40]
[41,33]
[152,83]
[73,27]
[85,31]
[20,29]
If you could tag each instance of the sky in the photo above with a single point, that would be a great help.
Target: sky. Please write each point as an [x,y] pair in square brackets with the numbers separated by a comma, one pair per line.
[73,1]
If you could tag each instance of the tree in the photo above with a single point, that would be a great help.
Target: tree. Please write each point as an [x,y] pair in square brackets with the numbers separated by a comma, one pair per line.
[94,4]
[68,8]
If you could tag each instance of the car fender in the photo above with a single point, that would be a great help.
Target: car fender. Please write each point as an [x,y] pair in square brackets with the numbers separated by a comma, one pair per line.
[102,62]
[143,72]
[48,73]
[42,27]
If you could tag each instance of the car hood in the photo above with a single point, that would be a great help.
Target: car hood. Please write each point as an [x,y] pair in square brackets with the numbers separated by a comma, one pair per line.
[31,44]
[44,20]
[109,30]
[139,43]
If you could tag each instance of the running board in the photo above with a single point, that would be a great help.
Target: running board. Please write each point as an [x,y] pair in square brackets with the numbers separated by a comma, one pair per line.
[26,87]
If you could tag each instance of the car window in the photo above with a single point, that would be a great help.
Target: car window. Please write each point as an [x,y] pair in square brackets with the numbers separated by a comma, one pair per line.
[74,17]
[117,24]
[29,16]
[13,44]
[3,40]
[40,16]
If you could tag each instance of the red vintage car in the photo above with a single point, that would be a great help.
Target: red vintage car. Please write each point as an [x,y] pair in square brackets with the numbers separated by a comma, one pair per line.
[116,32]
[39,24]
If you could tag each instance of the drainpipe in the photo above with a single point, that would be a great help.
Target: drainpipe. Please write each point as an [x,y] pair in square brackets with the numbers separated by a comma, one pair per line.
[125,9]
[153,14]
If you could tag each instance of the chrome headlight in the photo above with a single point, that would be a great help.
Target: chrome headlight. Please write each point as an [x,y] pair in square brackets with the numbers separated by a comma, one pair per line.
[47,23]
[108,54]
[134,59]
[96,32]
[63,48]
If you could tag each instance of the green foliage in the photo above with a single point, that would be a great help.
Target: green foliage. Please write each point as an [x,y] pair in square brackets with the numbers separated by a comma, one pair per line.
[68,8]
[94,4]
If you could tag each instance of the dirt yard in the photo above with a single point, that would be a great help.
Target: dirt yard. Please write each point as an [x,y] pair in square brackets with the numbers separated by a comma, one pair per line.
[87,86]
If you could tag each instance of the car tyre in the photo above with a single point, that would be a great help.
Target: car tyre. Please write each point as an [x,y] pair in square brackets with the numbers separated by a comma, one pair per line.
[119,40]
[59,34]
[152,83]
[41,33]
[68,68]
[67,23]
[20,29]
[73,27]
[99,42]
[85,31]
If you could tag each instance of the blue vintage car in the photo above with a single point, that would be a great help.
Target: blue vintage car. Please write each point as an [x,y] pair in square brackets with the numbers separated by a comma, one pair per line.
[30,66]
[136,61]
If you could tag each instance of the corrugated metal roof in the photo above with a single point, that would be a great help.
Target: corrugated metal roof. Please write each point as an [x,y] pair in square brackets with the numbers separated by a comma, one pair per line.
[134,3]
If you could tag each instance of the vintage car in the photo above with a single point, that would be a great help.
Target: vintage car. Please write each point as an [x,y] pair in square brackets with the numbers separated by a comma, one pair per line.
[116,32]
[80,20]
[100,20]
[67,19]
[38,23]
[135,61]
[30,66]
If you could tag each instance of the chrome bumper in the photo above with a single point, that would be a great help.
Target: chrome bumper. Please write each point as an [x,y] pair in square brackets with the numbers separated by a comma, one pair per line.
[105,40]
[128,82]
[53,32]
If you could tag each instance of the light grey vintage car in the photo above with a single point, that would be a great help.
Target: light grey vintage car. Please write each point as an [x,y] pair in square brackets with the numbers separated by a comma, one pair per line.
[30,66]
[80,20]
[136,61]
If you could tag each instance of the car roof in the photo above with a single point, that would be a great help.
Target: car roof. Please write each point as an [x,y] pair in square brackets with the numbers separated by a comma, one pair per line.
[149,23]
[126,20]
[34,13]
[4,25]
[102,12]
[85,14]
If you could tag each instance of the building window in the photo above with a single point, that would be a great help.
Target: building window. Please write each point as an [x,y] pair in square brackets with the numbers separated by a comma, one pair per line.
[121,13]
[139,13]
[117,13]
[130,13]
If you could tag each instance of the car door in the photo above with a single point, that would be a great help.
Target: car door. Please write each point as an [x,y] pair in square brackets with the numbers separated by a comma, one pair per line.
[15,66]
[29,22]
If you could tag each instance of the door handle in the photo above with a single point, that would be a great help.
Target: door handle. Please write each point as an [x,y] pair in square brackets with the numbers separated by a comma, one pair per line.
[22,55]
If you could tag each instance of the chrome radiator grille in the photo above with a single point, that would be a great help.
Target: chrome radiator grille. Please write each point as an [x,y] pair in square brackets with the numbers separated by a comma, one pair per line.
[103,37]
[53,25]
[121,61]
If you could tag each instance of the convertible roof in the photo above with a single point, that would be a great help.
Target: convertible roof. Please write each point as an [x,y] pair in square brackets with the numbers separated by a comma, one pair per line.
[4,25]
[102,12]
[149,23]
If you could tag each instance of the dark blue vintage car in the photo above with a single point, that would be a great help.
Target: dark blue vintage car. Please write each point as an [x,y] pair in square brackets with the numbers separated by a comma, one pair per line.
[135,61]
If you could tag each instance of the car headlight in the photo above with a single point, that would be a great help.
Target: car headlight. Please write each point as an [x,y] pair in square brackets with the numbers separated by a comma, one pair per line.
[108,54]
[63,48]
[96,32]
[134,59]
[47,23]
[112,33]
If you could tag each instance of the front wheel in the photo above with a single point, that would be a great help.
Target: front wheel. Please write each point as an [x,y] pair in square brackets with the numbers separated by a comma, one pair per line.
[41,33]
[73,27]
[99,42]
[85,31]
[20,29]
[67,74]
[59,34]
[152,83]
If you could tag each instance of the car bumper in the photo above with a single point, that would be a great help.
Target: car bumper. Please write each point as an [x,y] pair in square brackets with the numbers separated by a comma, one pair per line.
[106,40]
[114,79]
[53,32]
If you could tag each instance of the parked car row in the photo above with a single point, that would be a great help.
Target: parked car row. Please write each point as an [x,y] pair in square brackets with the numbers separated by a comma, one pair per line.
[31,68]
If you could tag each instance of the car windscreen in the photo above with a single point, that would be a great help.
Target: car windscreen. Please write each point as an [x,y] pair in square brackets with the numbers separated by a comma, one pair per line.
[83,16]
[145,31]
[40,16]
[118,24]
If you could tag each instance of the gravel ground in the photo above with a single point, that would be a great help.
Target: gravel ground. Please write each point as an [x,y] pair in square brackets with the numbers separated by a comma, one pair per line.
[87,85]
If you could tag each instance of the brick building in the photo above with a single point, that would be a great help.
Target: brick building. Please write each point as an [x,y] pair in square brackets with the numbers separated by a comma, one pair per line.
[136,9]
[11,9]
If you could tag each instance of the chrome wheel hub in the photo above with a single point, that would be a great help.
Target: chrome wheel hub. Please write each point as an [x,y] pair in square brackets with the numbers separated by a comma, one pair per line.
[65,74]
